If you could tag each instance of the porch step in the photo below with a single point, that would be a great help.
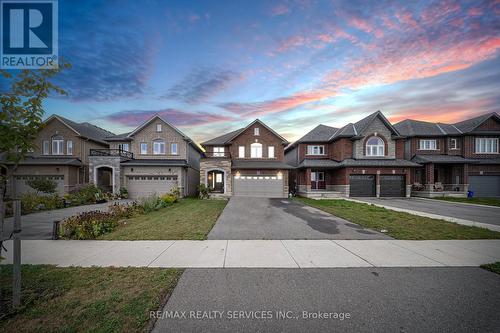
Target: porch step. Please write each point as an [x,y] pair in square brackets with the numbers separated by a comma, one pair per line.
[322,194]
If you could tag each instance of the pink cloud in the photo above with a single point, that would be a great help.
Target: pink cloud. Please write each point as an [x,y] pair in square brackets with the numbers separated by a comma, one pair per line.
[475,11]
[280,9]
[433,15]
[193,18]
[360,24]
[406,18]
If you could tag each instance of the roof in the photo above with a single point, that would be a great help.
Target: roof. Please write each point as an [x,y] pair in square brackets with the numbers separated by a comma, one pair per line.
[441,159]
[51,161]
[228,137]
[262,164]
[156,162]
[361,125]
[327,163]
[119,137]
[318,163]
[320,133]
[470,124]
[488,161]
[85,129]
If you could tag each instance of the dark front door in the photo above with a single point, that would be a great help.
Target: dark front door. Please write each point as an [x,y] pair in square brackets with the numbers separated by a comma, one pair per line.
[318,180]
[392,186]
[216,181]
[362,185]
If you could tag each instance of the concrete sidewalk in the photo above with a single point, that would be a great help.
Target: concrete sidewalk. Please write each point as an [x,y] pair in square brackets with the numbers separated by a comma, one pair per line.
[259,253]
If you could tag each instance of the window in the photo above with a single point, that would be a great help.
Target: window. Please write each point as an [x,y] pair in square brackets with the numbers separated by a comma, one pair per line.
[270,151]
[428,145]
[158,127]
[123,146]
[173,148]
[375,146]
[315,150]
[69,147]
[453,144]
[144,148]
[256,131]
[219,151]
[45,147]
[486,145]
[241,151]
[57,145]
[158,147]
[256,150]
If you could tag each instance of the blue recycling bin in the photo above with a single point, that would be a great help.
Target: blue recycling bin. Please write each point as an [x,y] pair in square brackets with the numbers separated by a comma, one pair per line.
[470,194]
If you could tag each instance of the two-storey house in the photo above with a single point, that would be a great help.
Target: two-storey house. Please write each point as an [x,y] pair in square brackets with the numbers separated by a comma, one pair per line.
[246,162]
[61,154]
[154,158]
[365,158]
[455,158]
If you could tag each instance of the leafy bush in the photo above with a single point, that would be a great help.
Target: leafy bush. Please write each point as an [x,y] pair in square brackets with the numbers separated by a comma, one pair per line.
[176,192]
[42,184]
[151,203]
[169,199]
[88,225]
[126,210]
[204,191]
[31,202]
[123,193]
[82,195]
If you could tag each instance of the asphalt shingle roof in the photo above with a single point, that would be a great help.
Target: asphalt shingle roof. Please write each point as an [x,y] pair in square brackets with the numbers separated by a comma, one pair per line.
[263,164]
[320,133]
[441,159]
[318,163]
[327,163]
[88,130]
[469,124]
[222,140]
[164,162]
[51,161]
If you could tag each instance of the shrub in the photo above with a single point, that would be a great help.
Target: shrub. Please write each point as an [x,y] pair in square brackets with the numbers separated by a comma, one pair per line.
[169,199]
[204,191]
[151,203]
[126,210]
[42,184]
[176,192]
[31,202]
[123,193]
[88,225]
[83,195]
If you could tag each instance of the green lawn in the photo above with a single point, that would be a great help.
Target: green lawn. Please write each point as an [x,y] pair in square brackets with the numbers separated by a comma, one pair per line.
[187,219]
[56,299]
[494,267]
[399,225]
[479,201]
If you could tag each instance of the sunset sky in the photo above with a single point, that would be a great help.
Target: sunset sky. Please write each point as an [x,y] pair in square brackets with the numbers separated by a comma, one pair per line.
[213,66]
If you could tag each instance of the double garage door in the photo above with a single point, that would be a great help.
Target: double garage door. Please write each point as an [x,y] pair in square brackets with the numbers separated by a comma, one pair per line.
[365,186]
[485,186]
[145,186]
[21,187]
[258,186]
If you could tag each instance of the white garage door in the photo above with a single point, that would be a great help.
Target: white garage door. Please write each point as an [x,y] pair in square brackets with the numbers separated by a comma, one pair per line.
[485,186]
[258,186]
[144,186]
[21,187]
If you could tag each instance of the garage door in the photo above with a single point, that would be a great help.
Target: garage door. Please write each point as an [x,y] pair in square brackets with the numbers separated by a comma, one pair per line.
[392,186]
[362,186]
[21,187]
[258,186]
[485,186]
[145,186]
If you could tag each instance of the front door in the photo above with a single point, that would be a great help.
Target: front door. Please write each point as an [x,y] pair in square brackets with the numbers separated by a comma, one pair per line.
[216,181]
[317,180]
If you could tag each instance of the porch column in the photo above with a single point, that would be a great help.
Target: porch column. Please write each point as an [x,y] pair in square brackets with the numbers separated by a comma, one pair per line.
[465,177]
[308,179]
[377,184]
[429,176]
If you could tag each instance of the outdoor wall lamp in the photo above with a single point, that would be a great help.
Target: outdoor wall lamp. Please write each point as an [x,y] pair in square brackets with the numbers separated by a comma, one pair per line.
[280,175]
[238,175]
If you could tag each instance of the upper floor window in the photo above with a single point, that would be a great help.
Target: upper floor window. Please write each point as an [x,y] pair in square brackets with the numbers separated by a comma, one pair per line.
[453,144]
[158,147]
[315,150]
[144,148]
[427,145]
[219,151]
[123,146]
[375,146]
[256,131]
[486,145]
[256,150]
[69,147]
[173,148]
[57,145]
[270,151]
[241,151]
[45,147]
[158,127]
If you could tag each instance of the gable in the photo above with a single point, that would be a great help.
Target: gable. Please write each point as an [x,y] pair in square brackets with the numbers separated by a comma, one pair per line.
[148,132]
[53,124]
[377,126]
[491,124]
[264,131]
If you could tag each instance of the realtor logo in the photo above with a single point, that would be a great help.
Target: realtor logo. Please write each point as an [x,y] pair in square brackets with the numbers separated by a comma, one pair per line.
[29,38]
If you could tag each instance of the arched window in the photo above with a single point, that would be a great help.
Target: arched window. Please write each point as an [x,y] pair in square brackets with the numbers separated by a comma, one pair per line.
[57,145]
[375,146]
[256,150]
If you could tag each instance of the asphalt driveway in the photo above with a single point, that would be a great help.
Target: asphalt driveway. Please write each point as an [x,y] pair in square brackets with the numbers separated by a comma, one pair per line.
[265,218]
[482,214]
[376,299]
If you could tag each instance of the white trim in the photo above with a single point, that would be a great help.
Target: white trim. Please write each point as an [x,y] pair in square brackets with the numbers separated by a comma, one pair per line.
[112,174]
[216,169]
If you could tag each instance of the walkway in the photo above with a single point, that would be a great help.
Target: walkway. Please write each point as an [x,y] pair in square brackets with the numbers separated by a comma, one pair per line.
[259,253]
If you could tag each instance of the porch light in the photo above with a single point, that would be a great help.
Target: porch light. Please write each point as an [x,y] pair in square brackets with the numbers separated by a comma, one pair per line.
[210,176]
[280,175]
[238,174]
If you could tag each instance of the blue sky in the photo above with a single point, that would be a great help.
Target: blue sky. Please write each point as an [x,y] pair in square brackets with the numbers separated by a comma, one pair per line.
[214,66]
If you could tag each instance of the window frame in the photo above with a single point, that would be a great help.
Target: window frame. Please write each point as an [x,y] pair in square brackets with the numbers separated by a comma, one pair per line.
[172,145]
[256,131]
[256,150]
[69,147]
[422,144]
[455,145]
[241,151]
[310,150]
[122,146]
[160,144]
[158,128]
[269,150]
[492,149]
[45,149]
[141,145]
[219,151]
[379,148]
[59,144]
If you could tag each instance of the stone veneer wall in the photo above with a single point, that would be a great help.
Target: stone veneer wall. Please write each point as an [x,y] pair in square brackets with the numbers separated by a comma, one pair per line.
[223,164]
[109,161]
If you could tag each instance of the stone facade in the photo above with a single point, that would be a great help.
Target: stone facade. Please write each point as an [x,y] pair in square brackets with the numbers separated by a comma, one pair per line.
[221,164]
[113,162]
[380,129]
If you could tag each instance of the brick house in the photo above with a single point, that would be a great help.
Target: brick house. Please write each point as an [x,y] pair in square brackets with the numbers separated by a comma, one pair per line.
[365,158]
[454,158]
[61,154]
[153,158]
[246,162]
